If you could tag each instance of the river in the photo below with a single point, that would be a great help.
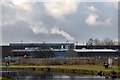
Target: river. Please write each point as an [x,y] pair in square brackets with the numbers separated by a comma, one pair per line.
[30,75]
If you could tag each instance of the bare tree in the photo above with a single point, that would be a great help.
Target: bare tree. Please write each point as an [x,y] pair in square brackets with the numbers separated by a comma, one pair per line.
[71,53]
[108,42]
[90,42]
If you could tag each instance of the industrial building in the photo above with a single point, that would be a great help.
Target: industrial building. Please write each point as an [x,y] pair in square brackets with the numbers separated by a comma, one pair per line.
[50,50]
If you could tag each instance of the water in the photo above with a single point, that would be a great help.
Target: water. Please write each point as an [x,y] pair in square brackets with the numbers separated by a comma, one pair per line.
[29,75]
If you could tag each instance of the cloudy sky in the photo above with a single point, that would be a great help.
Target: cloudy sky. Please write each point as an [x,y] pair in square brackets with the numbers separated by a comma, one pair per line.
[58,21]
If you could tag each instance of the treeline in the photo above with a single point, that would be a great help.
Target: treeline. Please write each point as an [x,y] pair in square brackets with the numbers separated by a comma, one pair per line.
[106,41]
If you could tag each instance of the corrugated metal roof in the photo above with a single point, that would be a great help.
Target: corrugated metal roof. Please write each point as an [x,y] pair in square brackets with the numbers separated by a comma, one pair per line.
[95,50]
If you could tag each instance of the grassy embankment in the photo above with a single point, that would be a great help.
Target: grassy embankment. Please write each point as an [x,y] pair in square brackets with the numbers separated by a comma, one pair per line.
[84,67]
[80,69]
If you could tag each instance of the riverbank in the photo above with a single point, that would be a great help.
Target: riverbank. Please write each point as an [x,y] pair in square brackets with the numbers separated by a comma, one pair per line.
[76,69]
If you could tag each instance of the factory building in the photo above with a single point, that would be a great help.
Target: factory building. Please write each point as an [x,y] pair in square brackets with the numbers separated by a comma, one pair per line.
[50,50]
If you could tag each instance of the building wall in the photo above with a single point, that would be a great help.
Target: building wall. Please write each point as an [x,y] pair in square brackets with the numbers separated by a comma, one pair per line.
[97,54]
[6,51]
[59,53]
[40,45]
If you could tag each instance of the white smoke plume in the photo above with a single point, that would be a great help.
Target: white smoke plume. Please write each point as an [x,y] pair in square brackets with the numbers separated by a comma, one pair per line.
[56,30]
[41,28]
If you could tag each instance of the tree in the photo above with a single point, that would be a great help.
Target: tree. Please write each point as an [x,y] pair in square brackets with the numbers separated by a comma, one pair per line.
[90,42]
[108,42]
[97,42]
[71,53]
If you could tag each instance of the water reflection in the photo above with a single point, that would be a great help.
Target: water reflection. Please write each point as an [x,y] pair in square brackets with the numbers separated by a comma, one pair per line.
[25,75]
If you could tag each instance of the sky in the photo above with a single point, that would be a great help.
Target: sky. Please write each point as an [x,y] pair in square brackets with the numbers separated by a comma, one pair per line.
[58,21]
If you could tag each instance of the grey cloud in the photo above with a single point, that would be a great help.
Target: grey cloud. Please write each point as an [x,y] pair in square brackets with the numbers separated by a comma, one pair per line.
[72,24]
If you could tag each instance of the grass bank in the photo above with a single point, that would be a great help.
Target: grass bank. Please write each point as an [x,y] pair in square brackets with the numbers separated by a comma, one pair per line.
[78,69]
[85,67]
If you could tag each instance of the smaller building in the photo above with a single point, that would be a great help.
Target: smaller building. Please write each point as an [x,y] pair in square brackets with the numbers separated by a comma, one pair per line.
[97,52]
